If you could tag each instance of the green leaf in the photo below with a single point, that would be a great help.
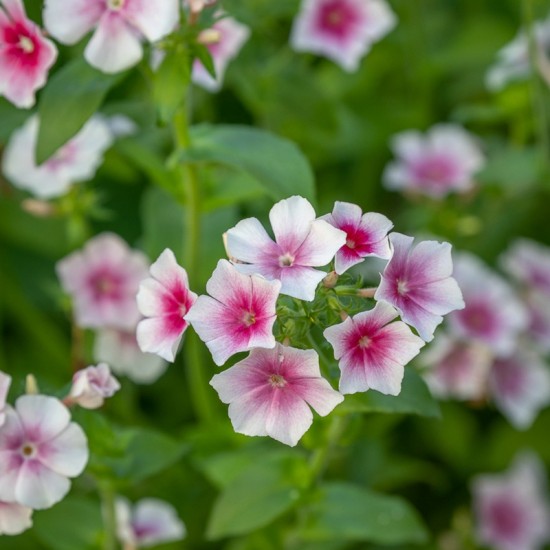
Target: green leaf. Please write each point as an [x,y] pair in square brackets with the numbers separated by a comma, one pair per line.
[71,97]
[415,398]
[202,53]
[345,511]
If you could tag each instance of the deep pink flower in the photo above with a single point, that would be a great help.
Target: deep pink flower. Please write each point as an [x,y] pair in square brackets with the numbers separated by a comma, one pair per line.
[342,30]
[366,234]
[443,161]
[92,385]
[417,282]
[238,315]
[301,243]
[511,510]
[120,25]
[14,518]
[103,280]
[269,392]
[39,450]
[372,351]
[25,55]
[165,299]
[5,382]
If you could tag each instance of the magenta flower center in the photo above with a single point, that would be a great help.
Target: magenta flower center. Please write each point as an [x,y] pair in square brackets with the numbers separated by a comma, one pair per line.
[437,169]
[402,287]
[286,260]
[336,17]
[115,4]
[105,285]
[350,243]
[248,318]
[506,518]
[21,44]
[364,342]
[277,381]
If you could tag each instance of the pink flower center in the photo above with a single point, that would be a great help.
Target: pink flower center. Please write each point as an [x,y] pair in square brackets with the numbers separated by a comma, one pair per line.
[28,450]
[182,310]
[286,260]
[21,44]
[402,287]
[350,243]
[506,519]
[364,342]
[337,18]
[277,381]
[115,4]
[248,318]
[438,169]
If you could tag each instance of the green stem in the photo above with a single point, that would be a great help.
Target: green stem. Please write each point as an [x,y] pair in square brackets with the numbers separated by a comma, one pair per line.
[325,361]
[109,516]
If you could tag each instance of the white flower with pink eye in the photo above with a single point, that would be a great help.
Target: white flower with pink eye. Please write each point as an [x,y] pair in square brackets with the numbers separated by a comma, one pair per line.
[74,162]
[366,235]
[92,385]
[493,315]
[5,383]
[511,509]
[301,243]
[269,393]
[25,55]
[520,387]
[120,27]
[342,30]
[238,315]
[40,448]
[103,280]
[224,41]
[372,351]
[418,282]
[14,518]
[164,299]
[445,160]
[149,522]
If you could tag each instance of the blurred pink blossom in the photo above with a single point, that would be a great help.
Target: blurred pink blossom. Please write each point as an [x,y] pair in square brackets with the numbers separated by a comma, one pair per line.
[92,385]
[538,308]
[14,518]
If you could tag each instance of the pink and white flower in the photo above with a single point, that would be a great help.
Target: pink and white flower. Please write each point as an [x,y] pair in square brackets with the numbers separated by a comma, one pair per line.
[511,509]
[225,40]
[149,522]
[74,162]
[120,27]
[25,55]
[238,315]
[418,283]
[164,299]
[366,235]
[342,30]
[40,448]
[103,280]
[538,308]
[92,385]
[372,351]
[493,314]
[444,160]
[5,383]
[14,518]
[269,392]
[301,243]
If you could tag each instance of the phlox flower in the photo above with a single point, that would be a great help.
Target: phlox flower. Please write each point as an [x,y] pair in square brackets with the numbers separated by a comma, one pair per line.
[301,243]
[511,510]
[5,382]
[74,162]
[14,518]
[342,30]
[120,27]
[238,315]
[538,308]
[444,160]
[103,280]
[25,55]
[149,522]
[372,351]
[417,281]
[366,234]
[92,385]
[40,448]
[269,393]
[493,314]
[164,299]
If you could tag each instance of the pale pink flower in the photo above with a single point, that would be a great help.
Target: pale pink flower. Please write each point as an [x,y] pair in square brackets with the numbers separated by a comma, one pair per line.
[103,280]
[342,30]
[520,387]
[92,385]
[74,162]
[301,243]
[40,448]
[269,393]
[238,315]
[164,299]
[120,27]
[372,351]
[493,314]
[444,160]
[226,38]
[418,283]
[149,522]
[5,383]
[511,509]
[25,55]
[538,308]
[366,235]
[14,518]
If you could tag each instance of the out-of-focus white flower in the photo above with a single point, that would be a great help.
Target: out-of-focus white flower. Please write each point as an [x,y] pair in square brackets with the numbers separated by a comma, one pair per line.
[92,385]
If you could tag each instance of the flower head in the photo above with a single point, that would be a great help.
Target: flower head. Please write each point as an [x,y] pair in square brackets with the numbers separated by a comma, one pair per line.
[417,282]
[14,518]
[92,385]
[269,392]
[238,315]
[301,243]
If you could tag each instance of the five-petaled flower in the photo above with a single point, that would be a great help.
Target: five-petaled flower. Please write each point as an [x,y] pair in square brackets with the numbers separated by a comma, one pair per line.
[92,385]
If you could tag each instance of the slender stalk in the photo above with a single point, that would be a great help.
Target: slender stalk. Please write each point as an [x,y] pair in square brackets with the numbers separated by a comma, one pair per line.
[109,516]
